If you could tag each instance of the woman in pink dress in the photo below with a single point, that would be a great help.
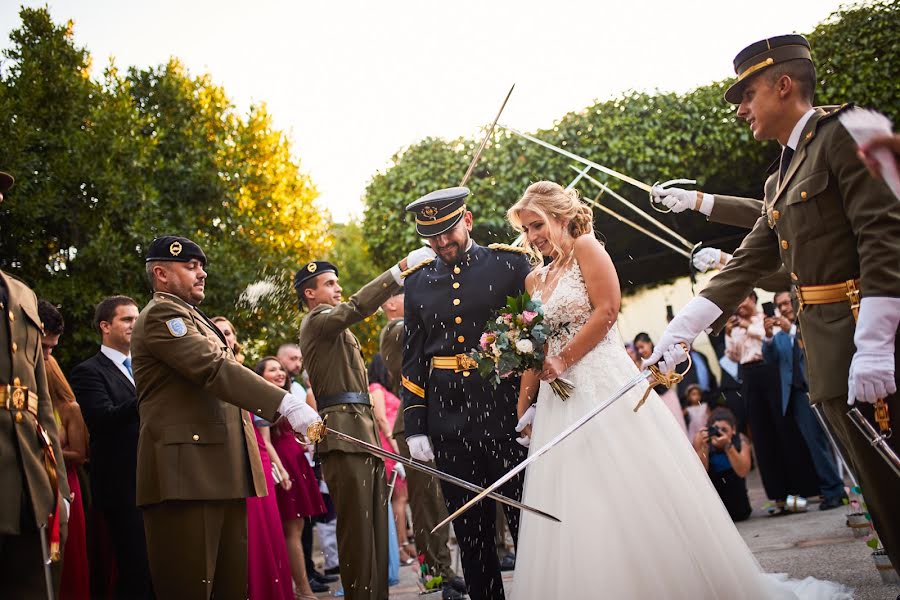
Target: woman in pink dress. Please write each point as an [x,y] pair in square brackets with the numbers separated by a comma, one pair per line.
[386,407]
[300,498]
[644,346]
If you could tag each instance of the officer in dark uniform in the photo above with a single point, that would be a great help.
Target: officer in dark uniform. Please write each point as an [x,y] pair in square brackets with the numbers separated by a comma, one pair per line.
[472,425]
[32,476]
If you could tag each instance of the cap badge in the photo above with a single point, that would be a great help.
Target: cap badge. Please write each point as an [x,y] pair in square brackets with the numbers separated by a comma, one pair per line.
[429,212]
[311,267]
[175,248]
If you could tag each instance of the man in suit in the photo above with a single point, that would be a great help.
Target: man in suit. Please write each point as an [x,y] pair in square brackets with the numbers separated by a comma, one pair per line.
[197,457]
[104,387]
[837,232]
[471,423]
[783,347]
[703,376]
[33,483]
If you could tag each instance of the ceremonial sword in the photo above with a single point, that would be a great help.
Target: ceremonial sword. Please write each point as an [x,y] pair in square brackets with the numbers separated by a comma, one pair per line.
[318,430]
[485,140]
[667,379]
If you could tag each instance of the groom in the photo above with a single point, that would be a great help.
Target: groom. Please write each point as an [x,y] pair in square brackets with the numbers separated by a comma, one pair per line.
[471,424]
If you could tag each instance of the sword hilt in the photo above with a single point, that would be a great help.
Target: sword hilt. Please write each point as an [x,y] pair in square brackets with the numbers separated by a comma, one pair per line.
[316,432]
[664,185]
[669,379]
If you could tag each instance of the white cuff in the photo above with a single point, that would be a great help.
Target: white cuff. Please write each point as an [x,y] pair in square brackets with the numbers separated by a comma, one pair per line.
[706,205]
[395,273]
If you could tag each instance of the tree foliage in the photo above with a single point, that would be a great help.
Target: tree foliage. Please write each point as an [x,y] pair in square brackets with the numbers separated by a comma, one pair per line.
[102,167]
[652,137]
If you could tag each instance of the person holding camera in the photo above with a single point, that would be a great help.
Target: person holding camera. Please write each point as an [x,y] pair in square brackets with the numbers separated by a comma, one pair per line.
[725,454]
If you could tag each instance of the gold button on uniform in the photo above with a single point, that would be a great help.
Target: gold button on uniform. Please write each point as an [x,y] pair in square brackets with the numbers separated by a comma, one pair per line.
[19,417]
[794,276]
[457,320]
[465,373]
[803,195]
[195,437]
[455,285]
[776,215]
[15,347]
[457,270]
[12,317]
[784,244]
[461,339]
[456,302]
[17,381]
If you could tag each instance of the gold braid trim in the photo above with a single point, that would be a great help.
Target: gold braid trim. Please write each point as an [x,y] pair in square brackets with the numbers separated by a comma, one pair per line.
[508,248]
[412,270]
[412,387]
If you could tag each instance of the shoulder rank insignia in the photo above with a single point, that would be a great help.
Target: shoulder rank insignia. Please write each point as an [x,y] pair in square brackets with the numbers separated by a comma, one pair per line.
[412,270]
[508,248]
[177,327]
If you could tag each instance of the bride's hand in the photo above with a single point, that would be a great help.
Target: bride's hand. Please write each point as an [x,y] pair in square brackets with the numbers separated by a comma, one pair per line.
[554,367]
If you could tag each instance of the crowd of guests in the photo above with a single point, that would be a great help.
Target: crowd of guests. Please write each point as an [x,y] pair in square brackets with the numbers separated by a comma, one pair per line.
[758,415]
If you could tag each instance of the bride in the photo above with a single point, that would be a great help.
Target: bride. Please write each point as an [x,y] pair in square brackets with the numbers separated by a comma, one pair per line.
[640,517]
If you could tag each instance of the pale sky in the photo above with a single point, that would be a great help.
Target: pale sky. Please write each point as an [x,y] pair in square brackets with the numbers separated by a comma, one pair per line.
[353,82]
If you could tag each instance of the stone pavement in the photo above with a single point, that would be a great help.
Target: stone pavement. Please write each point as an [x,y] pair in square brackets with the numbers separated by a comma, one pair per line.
[815,543]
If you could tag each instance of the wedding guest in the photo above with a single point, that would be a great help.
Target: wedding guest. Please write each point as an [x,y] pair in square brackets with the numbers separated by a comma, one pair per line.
[73,439]
[696,411]
[726,456]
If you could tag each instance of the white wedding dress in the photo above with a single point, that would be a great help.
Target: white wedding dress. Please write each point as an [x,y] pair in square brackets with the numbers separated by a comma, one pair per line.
[640,517]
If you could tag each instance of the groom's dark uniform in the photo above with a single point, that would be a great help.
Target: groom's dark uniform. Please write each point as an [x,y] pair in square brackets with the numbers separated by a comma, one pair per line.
[471,424]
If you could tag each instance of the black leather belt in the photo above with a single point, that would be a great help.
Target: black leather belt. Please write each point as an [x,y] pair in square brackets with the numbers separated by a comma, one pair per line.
[343,398]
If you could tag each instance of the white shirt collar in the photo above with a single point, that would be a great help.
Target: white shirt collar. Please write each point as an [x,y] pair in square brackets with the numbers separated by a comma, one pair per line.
[794,138]
[114,355]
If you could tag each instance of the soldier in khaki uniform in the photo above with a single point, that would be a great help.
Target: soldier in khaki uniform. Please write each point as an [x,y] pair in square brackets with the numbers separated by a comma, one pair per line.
[337,373]
[837,231]
[197,457]
[32,475]
[425,498]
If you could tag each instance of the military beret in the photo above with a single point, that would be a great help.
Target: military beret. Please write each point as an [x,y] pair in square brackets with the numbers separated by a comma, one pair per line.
[439,211]
[6,182]
[763,54]
[310,270]
[173,248]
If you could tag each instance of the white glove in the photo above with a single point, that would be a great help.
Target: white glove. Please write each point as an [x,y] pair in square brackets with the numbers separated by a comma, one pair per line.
[679,200]
[872,368]
[706,258]
[420,448]
[412,259]
[298,413]
[400,470]
[66,509]
[526,420]
[694,318]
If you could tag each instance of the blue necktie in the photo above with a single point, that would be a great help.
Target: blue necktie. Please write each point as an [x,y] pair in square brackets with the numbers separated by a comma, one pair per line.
[127,363]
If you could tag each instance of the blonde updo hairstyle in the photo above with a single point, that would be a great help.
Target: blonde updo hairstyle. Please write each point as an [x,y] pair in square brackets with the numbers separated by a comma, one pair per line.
[553,202]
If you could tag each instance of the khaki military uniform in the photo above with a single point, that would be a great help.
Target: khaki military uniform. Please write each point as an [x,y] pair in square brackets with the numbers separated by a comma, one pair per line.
[27,493]
[425,498]
[356,480]
[198,458]
[828,222]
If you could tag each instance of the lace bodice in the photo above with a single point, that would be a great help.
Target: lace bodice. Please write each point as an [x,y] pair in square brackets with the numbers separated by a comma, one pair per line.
[567,309]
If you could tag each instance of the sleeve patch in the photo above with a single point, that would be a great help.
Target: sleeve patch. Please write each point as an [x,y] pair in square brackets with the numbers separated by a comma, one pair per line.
[176,327]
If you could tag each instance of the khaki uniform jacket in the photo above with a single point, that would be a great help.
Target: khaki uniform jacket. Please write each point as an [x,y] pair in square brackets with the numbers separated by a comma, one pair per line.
[22,473]
[828,222]
[391,348]
[334,361]
[195,442]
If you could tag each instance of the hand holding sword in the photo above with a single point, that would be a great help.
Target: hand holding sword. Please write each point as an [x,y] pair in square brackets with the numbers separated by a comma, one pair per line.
[652,372]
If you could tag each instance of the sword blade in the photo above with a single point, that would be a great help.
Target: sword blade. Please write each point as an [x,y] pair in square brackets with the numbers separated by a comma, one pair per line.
[484,142]
[382,453]
[642,376]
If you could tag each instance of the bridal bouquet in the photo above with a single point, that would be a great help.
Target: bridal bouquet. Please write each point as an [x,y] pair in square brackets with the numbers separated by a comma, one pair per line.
[513,343]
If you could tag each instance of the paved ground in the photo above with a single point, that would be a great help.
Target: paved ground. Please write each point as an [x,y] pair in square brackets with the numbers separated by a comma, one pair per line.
[815,543]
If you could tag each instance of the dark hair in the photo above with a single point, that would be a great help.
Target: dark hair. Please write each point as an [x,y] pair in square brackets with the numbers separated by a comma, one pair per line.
[261,366]
[642,337]
[722,414]
[780,292]
[753,295]
[378,371]
[310,284]
[106,309]
[51,318]
[801,71]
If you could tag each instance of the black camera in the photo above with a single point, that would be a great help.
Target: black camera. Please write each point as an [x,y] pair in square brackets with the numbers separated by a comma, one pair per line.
[713,431]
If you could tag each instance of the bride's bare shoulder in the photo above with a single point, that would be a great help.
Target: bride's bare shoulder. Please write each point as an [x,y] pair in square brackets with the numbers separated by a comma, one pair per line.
[588,245]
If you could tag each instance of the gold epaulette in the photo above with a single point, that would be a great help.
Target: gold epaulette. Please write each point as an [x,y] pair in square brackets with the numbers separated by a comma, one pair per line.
[412,270]
[832,110]
[508,248]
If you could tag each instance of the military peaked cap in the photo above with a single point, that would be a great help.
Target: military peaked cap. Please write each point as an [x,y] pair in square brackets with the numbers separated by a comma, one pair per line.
[310,270]
[439,211]
[6,182]
[174,249]
[763,54]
